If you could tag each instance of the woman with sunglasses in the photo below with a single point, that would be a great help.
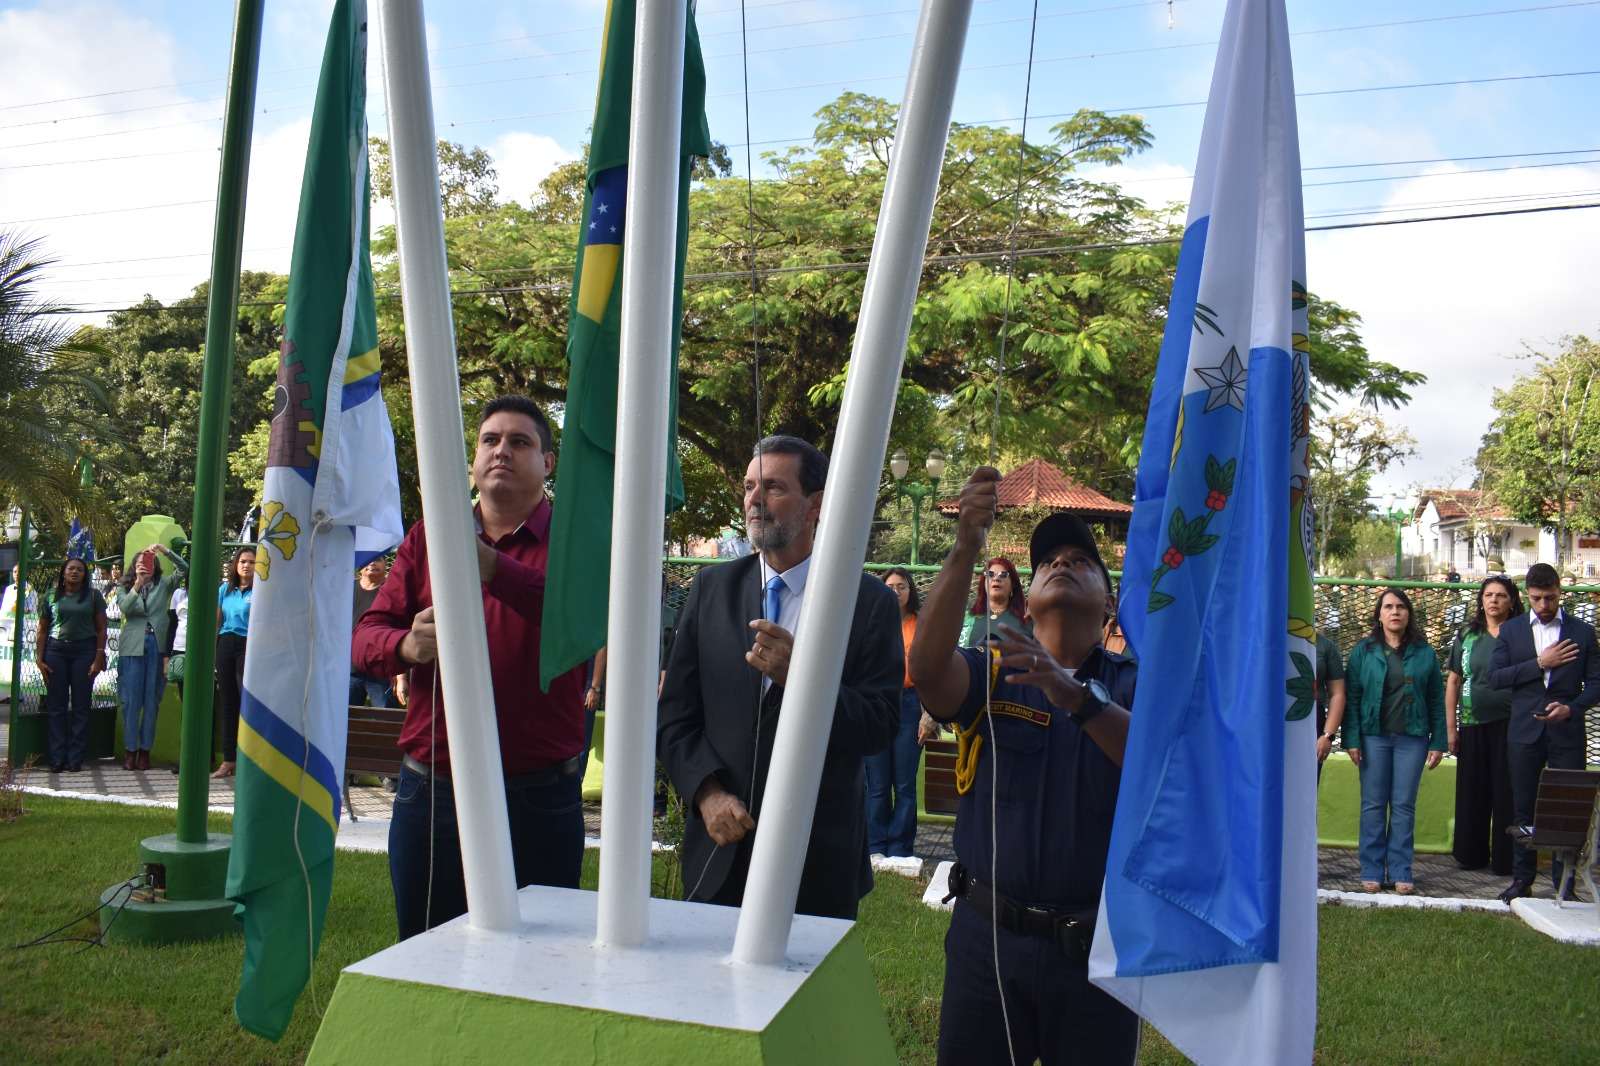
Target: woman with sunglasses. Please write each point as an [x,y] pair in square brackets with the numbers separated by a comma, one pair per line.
[999,602]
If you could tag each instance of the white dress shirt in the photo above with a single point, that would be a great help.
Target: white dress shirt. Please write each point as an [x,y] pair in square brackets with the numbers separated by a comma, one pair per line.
[790,595]
[1544,635]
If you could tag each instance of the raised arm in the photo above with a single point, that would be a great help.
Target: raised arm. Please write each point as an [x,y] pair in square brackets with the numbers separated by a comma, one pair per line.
[937,670]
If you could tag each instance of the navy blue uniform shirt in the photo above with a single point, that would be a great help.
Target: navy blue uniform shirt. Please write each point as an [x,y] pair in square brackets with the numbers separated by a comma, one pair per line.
[1058,790]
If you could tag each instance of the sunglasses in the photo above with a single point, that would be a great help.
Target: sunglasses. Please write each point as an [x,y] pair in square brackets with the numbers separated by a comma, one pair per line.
[994,575]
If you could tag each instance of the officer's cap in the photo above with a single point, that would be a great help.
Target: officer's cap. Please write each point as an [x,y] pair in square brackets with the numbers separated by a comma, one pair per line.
[1064,531]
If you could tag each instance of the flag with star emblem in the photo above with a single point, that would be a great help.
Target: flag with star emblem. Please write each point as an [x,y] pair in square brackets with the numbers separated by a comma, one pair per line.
[330,502]
[1208,919]
[577,573]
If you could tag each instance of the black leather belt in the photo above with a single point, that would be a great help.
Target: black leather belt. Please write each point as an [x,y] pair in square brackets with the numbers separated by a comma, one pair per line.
[547,775]
[1072,931]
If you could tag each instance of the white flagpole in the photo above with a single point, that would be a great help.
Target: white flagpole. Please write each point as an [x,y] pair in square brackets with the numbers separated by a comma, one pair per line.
[463,662]
[901,241]
[633,637]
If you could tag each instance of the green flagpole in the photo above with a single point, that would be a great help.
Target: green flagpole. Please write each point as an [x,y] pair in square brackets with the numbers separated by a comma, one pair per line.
[191,865]
[194,759]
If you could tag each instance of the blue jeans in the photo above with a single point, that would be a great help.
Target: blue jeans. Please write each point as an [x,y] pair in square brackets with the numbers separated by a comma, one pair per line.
[892,823]
[374,691]
[139,683]
[546,845]
[67,696]
[1391,770]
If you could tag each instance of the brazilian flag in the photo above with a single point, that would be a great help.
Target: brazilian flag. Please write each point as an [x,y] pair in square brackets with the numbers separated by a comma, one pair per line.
[574,624]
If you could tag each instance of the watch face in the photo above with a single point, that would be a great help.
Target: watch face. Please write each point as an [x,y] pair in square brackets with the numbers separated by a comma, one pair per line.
[1097,691]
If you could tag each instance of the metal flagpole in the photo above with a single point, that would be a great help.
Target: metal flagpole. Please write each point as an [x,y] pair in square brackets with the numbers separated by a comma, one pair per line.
[463,662]
[852,490]
[194,754]
[634,631]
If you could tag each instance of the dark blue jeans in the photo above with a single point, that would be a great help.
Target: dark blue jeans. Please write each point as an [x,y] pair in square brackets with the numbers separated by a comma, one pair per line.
[67,696]
[892,821]
[546,845]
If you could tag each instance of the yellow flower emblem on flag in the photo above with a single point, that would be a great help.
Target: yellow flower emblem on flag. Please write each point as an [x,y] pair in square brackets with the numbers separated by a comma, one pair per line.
[280,530]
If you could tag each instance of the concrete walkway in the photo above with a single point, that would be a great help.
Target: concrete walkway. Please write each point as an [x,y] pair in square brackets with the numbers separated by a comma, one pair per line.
[1437,876]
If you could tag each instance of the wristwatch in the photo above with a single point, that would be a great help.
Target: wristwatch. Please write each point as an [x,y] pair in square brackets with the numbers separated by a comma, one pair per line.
[1095,698]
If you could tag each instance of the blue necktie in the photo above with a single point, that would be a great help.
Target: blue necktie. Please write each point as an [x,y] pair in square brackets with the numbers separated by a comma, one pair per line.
[773,604]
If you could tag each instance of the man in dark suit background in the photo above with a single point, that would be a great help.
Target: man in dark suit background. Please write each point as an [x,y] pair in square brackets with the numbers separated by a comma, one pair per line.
[724,686]
[1551,665]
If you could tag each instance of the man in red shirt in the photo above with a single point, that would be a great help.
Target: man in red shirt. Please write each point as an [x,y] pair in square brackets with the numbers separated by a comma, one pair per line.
[541,734]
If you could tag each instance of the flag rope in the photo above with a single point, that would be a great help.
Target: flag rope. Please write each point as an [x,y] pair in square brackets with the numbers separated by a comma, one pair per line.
[994,447]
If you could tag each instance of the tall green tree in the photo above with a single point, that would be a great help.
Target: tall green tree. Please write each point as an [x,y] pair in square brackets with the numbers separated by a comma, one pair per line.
[1541,456]
[1347,450]
[53,404]
[154,356]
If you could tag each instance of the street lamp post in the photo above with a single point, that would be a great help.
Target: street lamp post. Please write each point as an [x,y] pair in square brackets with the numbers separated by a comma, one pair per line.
[1398,515]
[916,491]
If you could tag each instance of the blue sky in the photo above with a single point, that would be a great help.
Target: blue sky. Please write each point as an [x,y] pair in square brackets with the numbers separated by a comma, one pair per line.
[1457,300]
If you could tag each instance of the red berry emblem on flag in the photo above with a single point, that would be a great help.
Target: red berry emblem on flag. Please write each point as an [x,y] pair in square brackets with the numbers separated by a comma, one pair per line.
[1216,501]
[1173,558]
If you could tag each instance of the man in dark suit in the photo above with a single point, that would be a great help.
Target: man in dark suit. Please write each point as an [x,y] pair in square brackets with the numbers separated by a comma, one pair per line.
[1551,665]
[724,685]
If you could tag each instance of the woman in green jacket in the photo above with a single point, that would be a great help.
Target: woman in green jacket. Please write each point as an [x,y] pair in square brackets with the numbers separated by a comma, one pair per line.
[1477,714]
[1394,724]
[144,600]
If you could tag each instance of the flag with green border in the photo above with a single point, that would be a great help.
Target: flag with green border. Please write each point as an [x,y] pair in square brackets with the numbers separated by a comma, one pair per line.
[330,502]
[574,623]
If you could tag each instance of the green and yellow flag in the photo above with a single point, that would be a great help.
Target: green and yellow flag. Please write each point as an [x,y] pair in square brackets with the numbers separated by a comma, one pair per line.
[574,625]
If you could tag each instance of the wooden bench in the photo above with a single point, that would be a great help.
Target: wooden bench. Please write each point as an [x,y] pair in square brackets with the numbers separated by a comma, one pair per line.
[372,745]
[1566,821]
[939,794]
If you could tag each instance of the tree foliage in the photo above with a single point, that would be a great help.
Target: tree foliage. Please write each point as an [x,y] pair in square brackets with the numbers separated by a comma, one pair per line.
[1080,318]
[53,401]
[1347,450]
[1541,456]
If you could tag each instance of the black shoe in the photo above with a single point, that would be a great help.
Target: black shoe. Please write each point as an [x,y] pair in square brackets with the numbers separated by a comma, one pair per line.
[73,768]
[1517,889]
[57,767]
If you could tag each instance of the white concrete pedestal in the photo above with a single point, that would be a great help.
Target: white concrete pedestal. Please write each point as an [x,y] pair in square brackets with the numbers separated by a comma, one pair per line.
[546,994]
[1571,923]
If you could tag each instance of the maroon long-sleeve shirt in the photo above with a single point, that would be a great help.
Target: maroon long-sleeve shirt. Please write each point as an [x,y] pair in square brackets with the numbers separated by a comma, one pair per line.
[537,729]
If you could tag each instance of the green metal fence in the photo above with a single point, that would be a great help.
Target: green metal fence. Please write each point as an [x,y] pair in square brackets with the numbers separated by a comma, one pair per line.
[1344,609]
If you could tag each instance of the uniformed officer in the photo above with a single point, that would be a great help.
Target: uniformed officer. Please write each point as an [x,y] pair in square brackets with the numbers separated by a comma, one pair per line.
[1038,767]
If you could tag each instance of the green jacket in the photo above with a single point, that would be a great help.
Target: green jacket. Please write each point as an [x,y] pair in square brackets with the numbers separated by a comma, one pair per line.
[1363,680]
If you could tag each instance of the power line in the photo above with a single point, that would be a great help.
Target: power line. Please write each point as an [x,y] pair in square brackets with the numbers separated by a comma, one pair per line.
[944,259]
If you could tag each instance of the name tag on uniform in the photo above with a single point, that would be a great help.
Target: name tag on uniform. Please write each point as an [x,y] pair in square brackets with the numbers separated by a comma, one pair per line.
[1019,710]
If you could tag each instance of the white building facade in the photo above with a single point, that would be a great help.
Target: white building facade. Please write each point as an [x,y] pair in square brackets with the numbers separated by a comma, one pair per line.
[1455,529]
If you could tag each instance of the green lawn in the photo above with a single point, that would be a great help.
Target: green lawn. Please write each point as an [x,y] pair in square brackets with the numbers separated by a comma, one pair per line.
[1396,987]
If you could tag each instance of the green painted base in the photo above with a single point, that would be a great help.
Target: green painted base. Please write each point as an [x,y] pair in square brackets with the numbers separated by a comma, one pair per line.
[193,871]
[164,922]
[833,1016]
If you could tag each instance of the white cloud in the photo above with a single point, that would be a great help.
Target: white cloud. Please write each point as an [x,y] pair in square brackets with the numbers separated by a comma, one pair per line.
[1460,300]
[523,160]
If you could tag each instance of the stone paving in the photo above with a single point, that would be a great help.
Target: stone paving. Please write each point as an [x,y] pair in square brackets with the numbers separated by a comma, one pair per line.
[1436,875]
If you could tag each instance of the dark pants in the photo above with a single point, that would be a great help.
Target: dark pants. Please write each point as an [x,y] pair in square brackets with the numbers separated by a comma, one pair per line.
[546,845]
[67,697]
[1526,760]
[230,686]
[1056,1015]
[1483,799]
[892,819]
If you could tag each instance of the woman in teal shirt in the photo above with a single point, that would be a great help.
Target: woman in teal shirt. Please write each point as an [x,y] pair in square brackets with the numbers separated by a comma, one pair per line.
[233,626]
[1477,715]
[1394,724]
[70,651]
[144,600]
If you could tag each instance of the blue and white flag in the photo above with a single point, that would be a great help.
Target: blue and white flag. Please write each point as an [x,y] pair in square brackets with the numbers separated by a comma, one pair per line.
[1208,921]
[80,543]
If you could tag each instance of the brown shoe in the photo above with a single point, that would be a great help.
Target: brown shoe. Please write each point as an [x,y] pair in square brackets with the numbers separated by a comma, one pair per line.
[144,761]
[1405,888]
[129,759]
[225,770]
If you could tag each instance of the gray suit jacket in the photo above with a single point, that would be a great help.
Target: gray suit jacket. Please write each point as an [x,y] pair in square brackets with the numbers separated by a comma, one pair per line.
[714,721]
